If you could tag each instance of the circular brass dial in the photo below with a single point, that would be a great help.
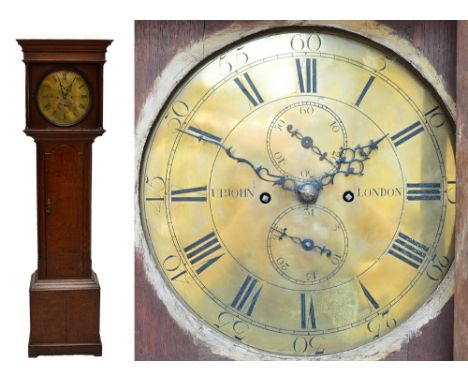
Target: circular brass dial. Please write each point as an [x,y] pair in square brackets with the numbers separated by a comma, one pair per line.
[363,184]
[64,97]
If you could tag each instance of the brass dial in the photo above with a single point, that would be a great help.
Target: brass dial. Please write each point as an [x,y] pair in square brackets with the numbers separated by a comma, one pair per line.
[64,97]
[296,192]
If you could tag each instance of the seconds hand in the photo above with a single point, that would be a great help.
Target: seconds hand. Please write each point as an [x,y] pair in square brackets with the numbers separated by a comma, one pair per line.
[306,244]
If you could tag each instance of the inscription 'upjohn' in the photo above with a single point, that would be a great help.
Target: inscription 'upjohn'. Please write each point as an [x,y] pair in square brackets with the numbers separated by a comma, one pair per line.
[232,193]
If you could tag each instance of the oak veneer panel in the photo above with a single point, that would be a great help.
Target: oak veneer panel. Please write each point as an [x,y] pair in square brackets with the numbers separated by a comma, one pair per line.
[157,336]
[156,42]
[66,200]
[460,349]
[437,40]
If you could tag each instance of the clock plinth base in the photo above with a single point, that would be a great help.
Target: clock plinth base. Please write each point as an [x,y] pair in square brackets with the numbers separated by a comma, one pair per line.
[64,316]
[35,350]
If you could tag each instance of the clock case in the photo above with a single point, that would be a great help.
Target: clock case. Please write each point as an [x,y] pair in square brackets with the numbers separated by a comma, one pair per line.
[64,291]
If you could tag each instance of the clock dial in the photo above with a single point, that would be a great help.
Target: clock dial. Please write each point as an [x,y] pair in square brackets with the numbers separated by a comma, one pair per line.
[297,192]
[64,97]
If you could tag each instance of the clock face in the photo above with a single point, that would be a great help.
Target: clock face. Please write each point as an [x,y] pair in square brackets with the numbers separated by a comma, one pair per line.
[297,192]
[64,97]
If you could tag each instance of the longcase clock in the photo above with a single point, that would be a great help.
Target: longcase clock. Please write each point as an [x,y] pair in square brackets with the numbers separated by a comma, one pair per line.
[64,81]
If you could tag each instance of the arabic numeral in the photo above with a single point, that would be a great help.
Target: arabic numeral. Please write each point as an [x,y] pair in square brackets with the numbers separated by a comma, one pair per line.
[156,192]
[335,126]
[301,42]
[336,154]
[279,124]
[282,263]
[279,157]
[309,345]
[306,110]
[233,326]
[172,264]
[435,117]
[227,62]
[335,260]
[437,267]
[309,211]
[382,322]
[180,110]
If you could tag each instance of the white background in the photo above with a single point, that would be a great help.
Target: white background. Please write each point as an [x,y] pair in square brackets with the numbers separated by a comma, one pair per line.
[113,179]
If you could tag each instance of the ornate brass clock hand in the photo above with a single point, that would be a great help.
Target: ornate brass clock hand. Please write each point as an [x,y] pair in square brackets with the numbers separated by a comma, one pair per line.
[262,173]
[308,143]
[351,161]
[69,87]
[61,86]
[306,244]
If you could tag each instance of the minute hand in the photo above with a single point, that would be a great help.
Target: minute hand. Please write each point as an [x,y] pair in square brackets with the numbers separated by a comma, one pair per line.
[351,161]
[262,173]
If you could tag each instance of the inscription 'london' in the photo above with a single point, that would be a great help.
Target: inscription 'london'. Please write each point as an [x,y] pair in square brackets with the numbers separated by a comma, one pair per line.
[380,192]
[232,193]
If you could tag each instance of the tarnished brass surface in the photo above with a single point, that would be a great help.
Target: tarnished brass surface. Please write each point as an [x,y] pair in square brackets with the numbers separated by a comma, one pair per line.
[63,97]
[360,254]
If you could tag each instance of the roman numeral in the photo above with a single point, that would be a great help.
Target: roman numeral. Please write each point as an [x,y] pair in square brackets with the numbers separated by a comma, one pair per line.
[364,91]
[153,199]
[183,195]
[307,313]
[253,95]
[369,297]
[408,250]
[205,134]
[407,133]
[423,191]
[310,75]
[204,252]
[247,295]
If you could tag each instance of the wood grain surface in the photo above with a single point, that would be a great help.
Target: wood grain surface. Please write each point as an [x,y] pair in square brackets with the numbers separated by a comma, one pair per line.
[460,344]
[157,336]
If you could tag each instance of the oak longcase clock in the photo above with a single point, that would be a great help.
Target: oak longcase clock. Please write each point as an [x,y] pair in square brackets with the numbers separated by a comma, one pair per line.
[297,192]
[64,80]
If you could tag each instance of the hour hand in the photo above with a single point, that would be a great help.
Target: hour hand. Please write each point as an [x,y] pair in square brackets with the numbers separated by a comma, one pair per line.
[261,172]
[60,84]
[350,161]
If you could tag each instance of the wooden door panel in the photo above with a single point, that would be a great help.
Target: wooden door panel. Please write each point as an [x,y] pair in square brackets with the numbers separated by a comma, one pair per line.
[64,209]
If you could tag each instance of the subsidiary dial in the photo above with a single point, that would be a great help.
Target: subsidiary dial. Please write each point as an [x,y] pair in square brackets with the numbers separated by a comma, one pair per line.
[307,244]
[304,139]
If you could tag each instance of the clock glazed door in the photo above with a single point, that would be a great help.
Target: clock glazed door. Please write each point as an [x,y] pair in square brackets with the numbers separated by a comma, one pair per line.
[64,80]
[152,320]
